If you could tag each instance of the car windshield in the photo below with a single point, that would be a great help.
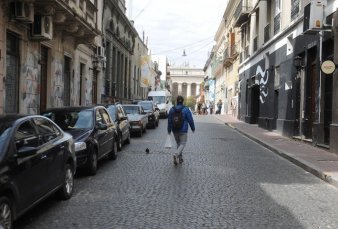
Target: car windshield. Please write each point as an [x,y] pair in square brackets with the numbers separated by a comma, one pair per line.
[5,129]
[158,99]
[72,119]
[146,105]
[131,109]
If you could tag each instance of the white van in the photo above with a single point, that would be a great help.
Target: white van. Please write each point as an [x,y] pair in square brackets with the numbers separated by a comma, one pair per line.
[163,101]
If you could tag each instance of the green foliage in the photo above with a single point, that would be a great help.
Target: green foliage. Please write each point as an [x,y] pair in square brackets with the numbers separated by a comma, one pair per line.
[190,102]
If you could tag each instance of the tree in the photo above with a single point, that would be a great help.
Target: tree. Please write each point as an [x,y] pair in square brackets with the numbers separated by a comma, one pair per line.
[190,102]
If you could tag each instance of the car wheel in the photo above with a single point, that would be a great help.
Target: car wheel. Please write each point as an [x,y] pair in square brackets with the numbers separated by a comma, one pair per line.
[119,142]
[92,162]
[66,190]
[112,154]
[128,138]
[6,213]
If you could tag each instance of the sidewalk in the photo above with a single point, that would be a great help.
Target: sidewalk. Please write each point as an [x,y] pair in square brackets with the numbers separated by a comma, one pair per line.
[317,161]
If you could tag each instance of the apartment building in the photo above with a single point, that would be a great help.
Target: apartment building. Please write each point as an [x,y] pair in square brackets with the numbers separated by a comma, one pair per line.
[119,39]
[283,44]
[48,55]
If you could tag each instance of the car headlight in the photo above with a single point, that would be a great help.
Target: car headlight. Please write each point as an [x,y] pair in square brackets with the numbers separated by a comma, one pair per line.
[79,146]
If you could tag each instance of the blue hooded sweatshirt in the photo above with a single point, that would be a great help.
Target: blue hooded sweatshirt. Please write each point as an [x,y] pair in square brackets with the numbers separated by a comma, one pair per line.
[187,116]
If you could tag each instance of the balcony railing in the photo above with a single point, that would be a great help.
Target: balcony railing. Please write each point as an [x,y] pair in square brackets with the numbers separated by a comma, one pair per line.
[267,33]
[242,12]
[230,54]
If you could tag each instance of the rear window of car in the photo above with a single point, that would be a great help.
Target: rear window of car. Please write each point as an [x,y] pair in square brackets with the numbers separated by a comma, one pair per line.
[131,109]
[146,105]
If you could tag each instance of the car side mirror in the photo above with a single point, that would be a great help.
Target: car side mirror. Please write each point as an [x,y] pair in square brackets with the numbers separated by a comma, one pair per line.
[26,151]
[101,126]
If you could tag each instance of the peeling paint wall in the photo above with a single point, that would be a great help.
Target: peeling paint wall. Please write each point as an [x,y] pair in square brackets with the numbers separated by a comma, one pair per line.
[57,83]
[30,79]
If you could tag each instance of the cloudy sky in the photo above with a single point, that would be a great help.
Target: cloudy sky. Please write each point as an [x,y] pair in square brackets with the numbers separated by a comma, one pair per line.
[176,25]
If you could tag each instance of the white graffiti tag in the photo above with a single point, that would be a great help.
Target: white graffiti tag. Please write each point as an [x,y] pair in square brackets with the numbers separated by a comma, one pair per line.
[262,83]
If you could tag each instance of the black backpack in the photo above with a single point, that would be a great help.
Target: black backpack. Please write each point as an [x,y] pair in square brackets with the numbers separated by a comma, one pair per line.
[178,119]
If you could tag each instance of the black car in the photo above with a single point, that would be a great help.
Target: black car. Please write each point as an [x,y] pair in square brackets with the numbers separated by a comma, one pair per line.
[153,112]
[37,159]
[121,121]
[93,131]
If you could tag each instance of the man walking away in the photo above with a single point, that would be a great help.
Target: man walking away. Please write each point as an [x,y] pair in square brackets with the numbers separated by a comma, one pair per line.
[178,119]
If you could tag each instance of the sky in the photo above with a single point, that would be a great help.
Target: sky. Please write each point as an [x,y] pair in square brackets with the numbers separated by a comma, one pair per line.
[173,26]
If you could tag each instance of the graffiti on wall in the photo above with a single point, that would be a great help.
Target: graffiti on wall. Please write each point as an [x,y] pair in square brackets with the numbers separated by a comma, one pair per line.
[263,89]
[30,81]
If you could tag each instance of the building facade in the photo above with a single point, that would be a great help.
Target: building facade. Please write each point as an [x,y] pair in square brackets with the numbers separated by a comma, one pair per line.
[48,55]
[119,39]
[186,81]
[283,44]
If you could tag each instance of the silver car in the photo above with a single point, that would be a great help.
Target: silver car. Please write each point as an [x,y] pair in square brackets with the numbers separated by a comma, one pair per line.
[138,118]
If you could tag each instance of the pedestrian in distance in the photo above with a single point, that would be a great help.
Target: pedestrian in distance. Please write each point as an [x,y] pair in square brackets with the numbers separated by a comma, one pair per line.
[219,106]
[178,120]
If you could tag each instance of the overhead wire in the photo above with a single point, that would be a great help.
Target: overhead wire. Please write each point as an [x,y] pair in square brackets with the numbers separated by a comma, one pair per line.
[185,46]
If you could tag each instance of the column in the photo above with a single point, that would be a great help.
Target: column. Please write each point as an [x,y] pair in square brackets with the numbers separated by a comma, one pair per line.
[179,91]
[252,32]
[188,89]
[198,89]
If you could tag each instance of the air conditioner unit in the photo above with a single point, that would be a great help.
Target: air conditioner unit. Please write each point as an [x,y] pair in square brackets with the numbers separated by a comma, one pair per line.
[100,51]
[22,11]
[42,28]
[313,16]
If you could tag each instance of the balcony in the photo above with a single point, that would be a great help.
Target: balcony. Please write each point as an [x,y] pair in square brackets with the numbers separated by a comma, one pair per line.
[242,12]
[76,18]
[230,55]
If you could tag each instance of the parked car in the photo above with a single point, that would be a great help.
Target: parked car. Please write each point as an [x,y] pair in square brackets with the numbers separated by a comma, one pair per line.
[93,130]
[37,159]
[138,119]
[121,122]
[152,111]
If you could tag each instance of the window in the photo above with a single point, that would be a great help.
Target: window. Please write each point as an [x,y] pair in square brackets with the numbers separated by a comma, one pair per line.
[294,9]
[47,129]
[105,116]
[98,117]
[26,135]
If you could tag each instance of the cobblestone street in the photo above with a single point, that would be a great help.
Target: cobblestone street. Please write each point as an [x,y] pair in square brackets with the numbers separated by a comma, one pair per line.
[226,181]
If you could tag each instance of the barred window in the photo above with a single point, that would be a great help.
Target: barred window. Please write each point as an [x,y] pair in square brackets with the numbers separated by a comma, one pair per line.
[295,5]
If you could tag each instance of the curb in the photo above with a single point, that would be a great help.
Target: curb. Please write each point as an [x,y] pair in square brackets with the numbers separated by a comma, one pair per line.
[304,165]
